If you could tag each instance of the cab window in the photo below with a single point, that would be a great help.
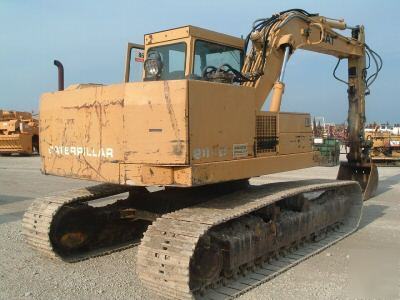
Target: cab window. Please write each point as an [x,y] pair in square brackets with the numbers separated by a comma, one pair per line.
[213,54]
[173,60]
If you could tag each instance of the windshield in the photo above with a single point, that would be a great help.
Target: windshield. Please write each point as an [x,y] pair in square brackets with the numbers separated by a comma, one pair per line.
[173,60]
[212,54]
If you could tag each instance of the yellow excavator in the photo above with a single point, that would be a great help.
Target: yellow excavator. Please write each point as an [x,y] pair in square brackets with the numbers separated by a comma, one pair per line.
[183,143]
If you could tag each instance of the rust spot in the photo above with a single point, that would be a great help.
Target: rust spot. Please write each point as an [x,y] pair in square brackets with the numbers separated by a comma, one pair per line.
[96,103]
[177,149]
[128,153]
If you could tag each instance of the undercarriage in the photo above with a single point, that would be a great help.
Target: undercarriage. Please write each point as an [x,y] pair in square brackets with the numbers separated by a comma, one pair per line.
[79,224]
[206,241]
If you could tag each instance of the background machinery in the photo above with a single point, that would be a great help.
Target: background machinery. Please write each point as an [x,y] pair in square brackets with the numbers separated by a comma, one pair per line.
[19,133]
[385,146]
[194,129]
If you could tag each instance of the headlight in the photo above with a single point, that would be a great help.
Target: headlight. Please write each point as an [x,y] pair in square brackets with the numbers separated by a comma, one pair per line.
[152,68]
[153,65]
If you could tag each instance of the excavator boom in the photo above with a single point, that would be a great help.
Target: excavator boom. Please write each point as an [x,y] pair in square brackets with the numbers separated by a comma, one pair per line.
[276,38]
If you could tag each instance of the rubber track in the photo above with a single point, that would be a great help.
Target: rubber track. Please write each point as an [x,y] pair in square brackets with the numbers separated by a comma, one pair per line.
[36,222]
[169,243]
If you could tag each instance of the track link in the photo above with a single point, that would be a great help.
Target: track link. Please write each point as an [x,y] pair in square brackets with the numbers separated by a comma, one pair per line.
[37,220]
[168,246]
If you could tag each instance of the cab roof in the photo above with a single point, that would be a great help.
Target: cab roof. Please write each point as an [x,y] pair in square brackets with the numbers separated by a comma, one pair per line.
[193,31]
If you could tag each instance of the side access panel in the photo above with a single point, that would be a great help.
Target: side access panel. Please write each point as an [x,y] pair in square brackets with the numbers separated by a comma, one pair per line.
[155,122]
[295,134]
[221,122]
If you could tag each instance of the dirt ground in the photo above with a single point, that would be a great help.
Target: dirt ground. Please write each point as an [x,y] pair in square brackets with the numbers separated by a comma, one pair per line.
[365,265]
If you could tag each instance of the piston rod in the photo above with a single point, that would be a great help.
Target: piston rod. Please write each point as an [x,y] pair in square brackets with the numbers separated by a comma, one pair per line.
[285,59]
[279,86]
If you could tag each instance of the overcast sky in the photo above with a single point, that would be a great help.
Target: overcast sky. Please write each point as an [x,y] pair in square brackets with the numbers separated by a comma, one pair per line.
[90,38]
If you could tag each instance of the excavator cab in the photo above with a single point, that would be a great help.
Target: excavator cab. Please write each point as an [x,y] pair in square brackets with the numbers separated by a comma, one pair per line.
[187,53]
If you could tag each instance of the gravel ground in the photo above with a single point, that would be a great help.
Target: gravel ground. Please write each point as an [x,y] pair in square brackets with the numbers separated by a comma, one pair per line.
[365,265]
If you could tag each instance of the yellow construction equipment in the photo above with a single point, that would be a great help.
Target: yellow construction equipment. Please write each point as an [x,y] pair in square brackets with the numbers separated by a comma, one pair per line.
[19,133]
[184,141]
[385,149]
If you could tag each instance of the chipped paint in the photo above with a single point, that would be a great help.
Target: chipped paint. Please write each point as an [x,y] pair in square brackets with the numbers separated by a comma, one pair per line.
[103,103]
[176,148]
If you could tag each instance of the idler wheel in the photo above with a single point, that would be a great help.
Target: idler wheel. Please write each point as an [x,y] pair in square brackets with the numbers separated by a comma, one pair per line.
[73,240]
[74,228]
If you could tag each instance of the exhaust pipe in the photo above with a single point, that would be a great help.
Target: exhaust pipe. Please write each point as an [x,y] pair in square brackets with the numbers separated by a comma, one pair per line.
[60,67]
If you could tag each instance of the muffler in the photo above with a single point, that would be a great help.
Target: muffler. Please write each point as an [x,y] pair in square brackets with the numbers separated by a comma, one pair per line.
[60,68]
[366,174]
